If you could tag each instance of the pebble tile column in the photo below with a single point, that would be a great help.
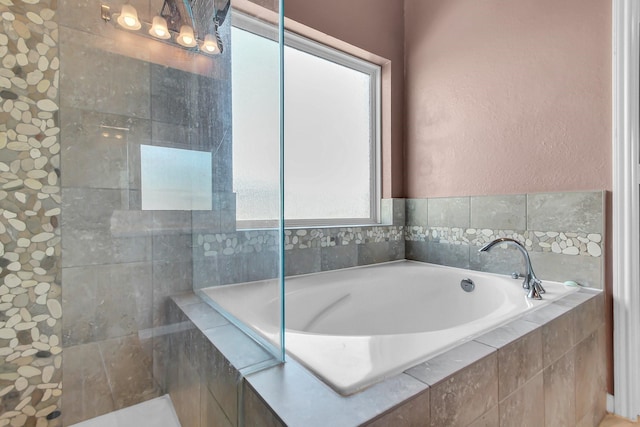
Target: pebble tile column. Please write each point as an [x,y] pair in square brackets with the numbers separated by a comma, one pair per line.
[30,293]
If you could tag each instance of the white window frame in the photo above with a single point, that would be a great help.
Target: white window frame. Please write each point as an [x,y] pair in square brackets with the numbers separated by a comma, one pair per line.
[296,41]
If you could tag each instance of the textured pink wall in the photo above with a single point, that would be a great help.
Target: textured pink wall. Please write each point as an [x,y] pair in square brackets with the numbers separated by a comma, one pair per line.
[507,96]
[376,26]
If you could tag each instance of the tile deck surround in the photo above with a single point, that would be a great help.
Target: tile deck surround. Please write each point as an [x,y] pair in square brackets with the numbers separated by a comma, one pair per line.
[436,392]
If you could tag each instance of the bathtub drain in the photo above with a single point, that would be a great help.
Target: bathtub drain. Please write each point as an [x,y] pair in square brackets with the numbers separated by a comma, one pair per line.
[467,285]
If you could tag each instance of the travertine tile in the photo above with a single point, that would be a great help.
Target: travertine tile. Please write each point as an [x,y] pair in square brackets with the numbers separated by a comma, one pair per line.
[441,367]
[524,408]
[129,369]
[169,278]
[300,399]
[519,345]
[560,392]
[93,303]
[518,362]
[416,212]
[589,317]
[87,393]
[124,89]
[590,378]
[491,418]
[506,212]
[577,212]
[546,314]
[211,413]
[185,391]
[416,412]
[336,257]
[448,212]
[392,211]
[109,143]
[585,270]
[416,250]
[255,411]
[465,396]
[302,261]
[557,338]
[498,260]
[448,254]
[376,252]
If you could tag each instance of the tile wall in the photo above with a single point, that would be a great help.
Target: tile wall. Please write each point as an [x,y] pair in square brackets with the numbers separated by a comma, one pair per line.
[119,262]
[563,233]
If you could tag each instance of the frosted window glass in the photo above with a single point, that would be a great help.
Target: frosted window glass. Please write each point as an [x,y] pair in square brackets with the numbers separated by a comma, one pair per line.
[328,149]
[256,126]
[175,179]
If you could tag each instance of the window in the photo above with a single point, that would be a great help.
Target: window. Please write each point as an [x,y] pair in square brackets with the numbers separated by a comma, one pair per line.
[175,179]
[331,130]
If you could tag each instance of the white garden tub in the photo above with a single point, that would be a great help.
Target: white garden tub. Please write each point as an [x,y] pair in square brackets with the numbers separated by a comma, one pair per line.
[356,326]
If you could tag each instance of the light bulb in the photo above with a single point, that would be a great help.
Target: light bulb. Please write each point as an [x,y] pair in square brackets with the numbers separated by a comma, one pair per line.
[159,28]
[129,18]
[210,44]
[186,37]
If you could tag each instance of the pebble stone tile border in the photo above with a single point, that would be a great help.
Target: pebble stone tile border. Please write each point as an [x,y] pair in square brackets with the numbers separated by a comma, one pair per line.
[565,243]
[266,240]
[30,292]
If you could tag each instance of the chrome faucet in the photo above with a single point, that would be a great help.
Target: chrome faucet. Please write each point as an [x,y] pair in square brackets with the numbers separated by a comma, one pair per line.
[531,282]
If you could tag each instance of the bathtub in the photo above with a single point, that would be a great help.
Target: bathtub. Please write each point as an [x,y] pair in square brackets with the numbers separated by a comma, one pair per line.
[357,326]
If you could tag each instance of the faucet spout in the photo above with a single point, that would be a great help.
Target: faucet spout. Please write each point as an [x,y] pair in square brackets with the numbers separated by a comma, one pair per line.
[531,282]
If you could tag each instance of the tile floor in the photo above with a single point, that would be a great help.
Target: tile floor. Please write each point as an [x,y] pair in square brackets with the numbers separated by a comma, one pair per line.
[157,412]
[613,421]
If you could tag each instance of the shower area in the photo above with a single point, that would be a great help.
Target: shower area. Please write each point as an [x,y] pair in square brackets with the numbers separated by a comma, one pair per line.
[116,194]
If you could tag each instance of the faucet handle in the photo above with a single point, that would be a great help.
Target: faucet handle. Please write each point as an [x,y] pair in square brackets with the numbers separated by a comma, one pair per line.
[534,292]
[538,284]
[515,275]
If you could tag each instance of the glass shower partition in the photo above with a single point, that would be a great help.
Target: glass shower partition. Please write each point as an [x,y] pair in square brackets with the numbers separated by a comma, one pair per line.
[241,262]
[119,195]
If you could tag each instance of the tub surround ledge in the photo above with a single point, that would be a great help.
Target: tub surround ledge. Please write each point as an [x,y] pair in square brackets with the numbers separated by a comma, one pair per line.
[522,358]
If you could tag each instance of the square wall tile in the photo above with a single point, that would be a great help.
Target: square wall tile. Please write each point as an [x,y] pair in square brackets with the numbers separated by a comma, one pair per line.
[211,412]
[94,307]
[449,212]
[590,377]
[87,393]
[416,412]
[560,392]
[574,212]
[255,411]
[123,90]
[465,396]
[128,365]
[585,270]
[507,212]
[523,408]
[416,212]
[416,251]
[448,254]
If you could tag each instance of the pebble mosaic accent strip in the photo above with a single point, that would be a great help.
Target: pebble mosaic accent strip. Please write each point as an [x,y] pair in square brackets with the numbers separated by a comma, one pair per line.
[265,240]
[30,293]
[565,243]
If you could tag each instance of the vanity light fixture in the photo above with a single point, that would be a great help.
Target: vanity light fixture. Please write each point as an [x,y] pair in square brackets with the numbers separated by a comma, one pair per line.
[210,45]
[186,37]
[129,18]
[159,28]
[175,24]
